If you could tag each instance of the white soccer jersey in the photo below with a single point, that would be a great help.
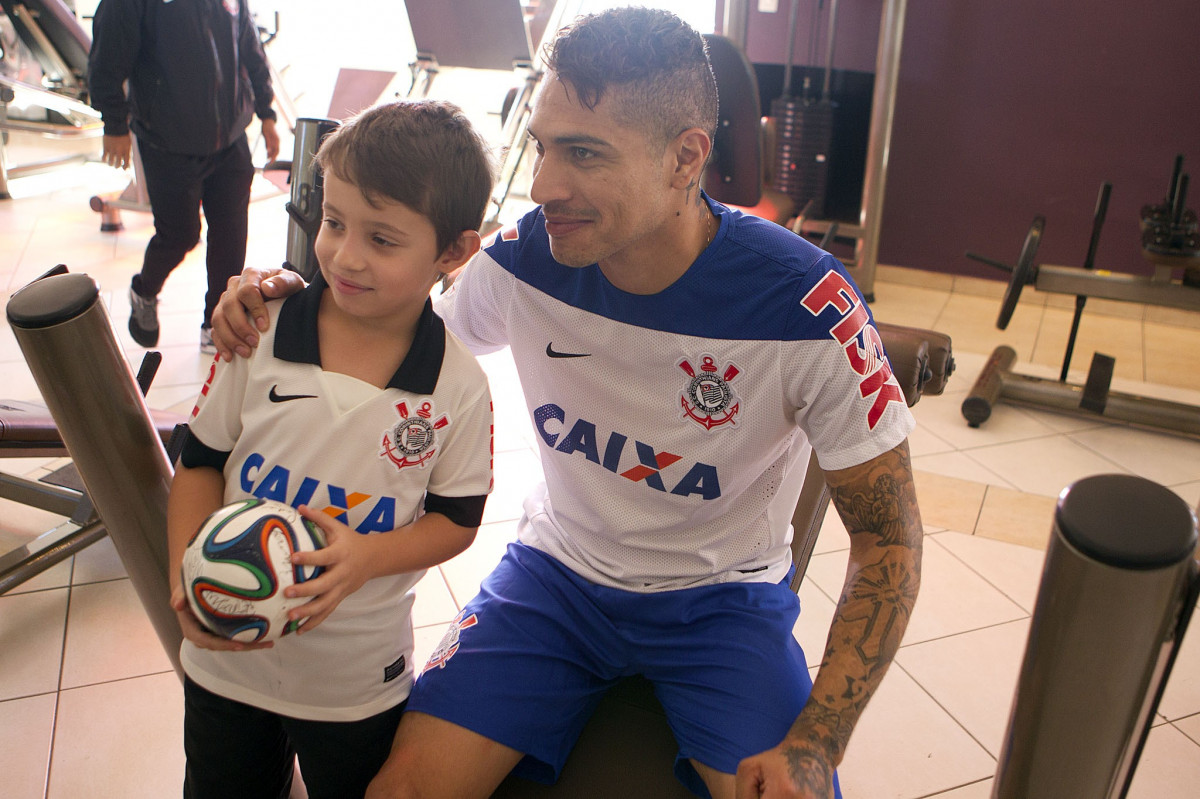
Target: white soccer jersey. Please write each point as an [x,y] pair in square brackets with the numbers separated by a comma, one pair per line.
[675,428]
[366,456]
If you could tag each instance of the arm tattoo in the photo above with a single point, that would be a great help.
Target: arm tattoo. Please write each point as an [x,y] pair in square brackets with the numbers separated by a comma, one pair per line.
[808,773]
[877,503]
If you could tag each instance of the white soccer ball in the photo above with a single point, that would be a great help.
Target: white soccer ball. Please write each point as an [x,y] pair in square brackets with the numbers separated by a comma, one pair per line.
[237,564]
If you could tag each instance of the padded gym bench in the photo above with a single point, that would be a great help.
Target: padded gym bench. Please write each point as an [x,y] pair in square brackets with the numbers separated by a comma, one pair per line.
[27,430]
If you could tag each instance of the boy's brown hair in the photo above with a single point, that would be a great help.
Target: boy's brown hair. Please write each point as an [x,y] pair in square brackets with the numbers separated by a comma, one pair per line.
[423,153]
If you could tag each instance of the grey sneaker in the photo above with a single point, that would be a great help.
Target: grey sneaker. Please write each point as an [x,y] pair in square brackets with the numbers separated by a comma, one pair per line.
[206,343]
[143,319]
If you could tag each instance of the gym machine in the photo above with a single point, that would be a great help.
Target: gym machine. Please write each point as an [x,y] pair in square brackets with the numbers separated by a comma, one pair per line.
[66,336]
[804,123]
[1118,588]
[307,192]
[865,233]
[1171,242]
[55,109]
[733,174]
[443,40]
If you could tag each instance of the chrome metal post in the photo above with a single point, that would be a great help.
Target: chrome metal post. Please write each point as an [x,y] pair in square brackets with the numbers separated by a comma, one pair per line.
[736,21]
[66,337]
[1115,595]
[6,96]
[883,106]
[304,205]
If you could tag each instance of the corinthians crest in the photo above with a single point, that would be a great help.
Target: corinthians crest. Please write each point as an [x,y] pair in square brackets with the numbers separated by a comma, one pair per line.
[707,399]
[413,441]
[450,641]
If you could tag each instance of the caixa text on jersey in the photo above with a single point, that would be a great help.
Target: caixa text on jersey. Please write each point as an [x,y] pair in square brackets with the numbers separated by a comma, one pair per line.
[582,438]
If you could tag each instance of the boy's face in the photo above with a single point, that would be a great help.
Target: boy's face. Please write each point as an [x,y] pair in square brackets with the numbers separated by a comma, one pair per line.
[602,185]
[378,261]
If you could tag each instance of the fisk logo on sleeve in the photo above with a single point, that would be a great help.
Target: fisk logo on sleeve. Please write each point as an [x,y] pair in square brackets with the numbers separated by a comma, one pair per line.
[859,339]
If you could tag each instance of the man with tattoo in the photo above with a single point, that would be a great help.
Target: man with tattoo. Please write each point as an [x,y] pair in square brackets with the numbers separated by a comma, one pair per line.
[680,361]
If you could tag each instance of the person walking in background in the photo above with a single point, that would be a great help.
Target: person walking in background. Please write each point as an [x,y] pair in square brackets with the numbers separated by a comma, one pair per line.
[196,75]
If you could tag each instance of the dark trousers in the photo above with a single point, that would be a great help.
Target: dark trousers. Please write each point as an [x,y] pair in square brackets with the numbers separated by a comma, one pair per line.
[179,186]
[236,751]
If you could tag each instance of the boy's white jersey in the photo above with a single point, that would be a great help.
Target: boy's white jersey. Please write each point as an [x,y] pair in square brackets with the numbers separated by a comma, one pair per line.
[676,427]
[366,456]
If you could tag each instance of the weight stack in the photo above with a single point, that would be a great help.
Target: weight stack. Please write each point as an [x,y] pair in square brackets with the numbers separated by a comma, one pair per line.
[803,138]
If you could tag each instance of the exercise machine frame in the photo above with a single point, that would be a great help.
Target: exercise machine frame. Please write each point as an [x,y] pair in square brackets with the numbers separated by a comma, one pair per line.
[1175,226]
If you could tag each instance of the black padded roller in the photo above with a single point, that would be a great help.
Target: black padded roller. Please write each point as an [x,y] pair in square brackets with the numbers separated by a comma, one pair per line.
[1126,521]
[52,301]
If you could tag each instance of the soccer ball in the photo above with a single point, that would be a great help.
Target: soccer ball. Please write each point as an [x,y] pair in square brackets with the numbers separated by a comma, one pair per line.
[236,567]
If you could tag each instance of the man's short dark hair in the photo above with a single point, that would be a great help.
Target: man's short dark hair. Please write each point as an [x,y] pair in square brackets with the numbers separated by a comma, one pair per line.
[654,63]
[423,153]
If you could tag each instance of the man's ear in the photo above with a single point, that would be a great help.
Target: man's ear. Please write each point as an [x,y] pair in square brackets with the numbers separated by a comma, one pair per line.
[690,151]
[459,251]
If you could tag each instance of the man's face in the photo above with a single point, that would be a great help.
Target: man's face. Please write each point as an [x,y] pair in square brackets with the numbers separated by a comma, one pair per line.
[602,185]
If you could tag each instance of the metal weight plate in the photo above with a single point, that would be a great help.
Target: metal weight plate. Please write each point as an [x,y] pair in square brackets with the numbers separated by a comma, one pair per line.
[1024,272]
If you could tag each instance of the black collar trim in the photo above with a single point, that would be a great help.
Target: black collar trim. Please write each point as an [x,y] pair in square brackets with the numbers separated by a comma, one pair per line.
[296,340]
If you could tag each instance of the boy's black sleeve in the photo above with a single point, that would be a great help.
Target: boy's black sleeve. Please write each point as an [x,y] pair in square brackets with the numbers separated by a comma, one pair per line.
[463,511]
[196,453]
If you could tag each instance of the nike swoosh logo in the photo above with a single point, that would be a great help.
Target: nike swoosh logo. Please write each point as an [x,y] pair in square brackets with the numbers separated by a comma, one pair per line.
[277,397]
[553,353]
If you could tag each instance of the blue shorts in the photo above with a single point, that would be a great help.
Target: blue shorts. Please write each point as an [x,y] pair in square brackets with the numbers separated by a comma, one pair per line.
[529,658]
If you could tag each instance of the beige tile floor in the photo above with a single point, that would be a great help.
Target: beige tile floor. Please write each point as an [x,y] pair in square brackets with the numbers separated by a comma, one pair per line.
[89,706]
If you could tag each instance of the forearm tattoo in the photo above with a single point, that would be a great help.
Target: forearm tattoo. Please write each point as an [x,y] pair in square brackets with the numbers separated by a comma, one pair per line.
[808,773]
[877,502]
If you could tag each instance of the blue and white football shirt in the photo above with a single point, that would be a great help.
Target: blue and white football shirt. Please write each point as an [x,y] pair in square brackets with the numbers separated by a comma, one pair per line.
[676,427]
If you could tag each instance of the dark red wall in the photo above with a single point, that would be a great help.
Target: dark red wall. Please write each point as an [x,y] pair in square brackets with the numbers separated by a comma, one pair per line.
[1010,108]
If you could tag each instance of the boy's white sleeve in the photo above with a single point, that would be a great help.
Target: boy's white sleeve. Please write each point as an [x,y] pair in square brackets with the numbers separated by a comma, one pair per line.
[464,466]
[217,418]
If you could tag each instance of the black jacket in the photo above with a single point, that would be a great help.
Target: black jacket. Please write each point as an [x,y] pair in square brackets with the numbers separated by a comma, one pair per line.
[196,72]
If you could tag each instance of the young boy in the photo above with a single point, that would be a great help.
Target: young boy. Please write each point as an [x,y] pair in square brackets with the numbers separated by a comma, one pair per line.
[363,411]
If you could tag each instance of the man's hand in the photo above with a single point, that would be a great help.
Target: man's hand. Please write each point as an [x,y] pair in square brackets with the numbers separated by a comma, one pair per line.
[118,150]
[794,768]
[270,138]
[241,313]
